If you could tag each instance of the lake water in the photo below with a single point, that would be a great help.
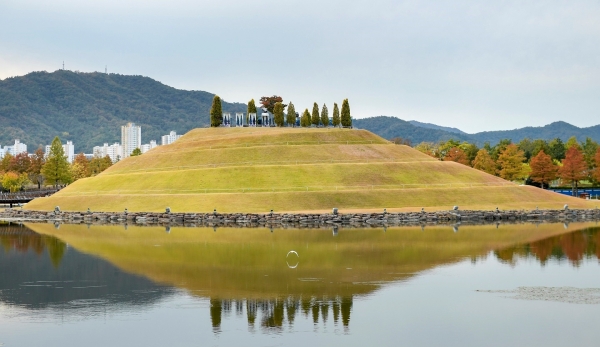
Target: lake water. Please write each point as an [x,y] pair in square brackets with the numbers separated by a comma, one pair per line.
[505,285]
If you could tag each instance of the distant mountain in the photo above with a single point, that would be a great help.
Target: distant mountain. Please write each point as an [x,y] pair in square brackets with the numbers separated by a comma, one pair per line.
[437,127]
[551,131]
[90,108]
[390,127]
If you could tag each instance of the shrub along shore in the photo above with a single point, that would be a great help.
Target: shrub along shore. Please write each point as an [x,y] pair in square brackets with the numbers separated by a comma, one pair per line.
[299,220]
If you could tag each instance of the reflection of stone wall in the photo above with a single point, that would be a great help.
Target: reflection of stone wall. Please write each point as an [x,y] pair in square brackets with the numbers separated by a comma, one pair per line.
[273,313]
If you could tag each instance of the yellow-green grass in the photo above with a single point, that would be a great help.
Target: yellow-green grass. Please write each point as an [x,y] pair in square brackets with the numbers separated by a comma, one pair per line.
[294,169]
[233,263]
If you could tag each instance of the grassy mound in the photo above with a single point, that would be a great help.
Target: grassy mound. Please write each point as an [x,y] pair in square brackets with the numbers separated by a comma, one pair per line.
[292,169]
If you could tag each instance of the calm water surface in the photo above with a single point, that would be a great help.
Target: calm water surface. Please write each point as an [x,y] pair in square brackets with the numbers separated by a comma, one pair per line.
[506,285]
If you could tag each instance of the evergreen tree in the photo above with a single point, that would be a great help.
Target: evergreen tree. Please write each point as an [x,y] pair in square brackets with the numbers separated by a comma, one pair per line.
[305,119]
[136,152]
[278,118]
[251,109]
[557,149]
[346,118]
[336,116]
[56,170]
[291,115]
[315,115]
[216,113]
[325,116]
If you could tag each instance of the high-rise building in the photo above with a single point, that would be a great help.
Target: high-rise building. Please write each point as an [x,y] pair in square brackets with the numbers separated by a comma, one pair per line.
[114,152]
[169,139]
[131,138]
[68,148]
[145,148]
[13,150]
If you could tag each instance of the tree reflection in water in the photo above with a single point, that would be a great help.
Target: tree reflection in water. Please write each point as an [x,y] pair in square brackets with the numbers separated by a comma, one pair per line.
[274,312]
[573,247]
[17,238]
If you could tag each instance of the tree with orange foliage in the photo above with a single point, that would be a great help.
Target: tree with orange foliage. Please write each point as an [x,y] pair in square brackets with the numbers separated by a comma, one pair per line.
[574,168]
[511,162]
[20,163]
[458,155]
[484,162]
[597,170]
[543,169]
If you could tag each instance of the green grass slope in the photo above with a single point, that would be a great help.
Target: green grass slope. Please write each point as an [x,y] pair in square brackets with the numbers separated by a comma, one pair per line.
[292,169]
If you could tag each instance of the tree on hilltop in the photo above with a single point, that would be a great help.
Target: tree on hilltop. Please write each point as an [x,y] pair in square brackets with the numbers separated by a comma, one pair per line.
[315,119]
[305,119]
[325,116]
[574,168]
[457,155]
[511,162]
[251,109]
[291,115]
[346,118]
[136,152]
[278,118]
[336,116]
[543,170]
[56,170]
[216,112]
[484,162]
[269,102]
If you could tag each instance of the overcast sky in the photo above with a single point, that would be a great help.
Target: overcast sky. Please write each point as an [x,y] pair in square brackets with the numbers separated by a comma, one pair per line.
[476,65]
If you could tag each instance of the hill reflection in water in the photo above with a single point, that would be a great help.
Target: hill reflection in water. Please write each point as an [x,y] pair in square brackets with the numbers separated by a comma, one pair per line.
[252,272]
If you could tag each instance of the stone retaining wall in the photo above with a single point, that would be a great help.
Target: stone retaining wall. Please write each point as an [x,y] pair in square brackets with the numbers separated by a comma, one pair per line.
[300,220]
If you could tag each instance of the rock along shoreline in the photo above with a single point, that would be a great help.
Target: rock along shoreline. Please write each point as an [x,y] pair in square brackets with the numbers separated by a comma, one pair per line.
[302,220]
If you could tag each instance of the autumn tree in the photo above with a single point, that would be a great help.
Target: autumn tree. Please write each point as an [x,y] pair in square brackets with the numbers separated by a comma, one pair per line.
[484,162]
[278,118]
[511,162]
[291,115]
[543,170]
[589,148]
[80,168]
[315,119]
[336,116]
[56,170]
[574,168]
[38,159]
[305,119]
[499,148]
[325,116]
[6,162]
[216,112]
[20,163]
[14,181]
[269,102]
[457,155]
[99,164]
[345,115]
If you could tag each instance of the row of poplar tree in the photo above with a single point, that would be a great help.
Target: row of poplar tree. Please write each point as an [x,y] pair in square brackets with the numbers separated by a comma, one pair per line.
[53,169]
[536,161]
[274,104]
